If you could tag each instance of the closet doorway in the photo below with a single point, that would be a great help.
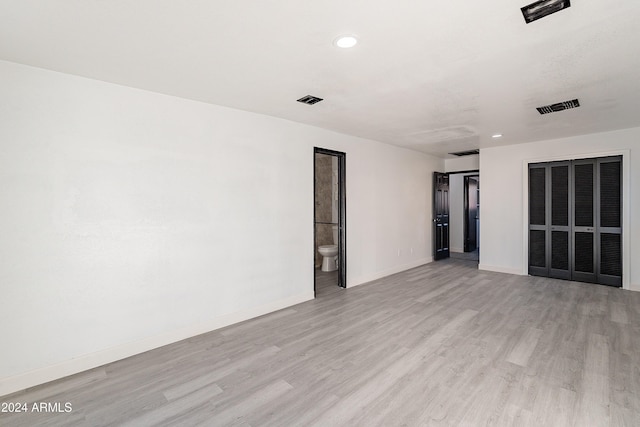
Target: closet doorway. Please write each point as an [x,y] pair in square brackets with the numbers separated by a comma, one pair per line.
[575,220]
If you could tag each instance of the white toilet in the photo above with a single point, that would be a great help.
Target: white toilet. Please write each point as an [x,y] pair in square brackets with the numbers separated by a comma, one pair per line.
[330,253]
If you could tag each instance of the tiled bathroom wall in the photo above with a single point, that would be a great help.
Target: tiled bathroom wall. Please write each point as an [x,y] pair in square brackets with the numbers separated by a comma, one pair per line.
[324,202]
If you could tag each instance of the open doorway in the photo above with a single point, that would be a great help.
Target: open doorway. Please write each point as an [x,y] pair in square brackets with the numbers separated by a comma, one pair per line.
[329,220]
[463,214]
[471,213]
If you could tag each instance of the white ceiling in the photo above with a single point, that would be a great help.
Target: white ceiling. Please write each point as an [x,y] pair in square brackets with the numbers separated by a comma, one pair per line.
[435,76]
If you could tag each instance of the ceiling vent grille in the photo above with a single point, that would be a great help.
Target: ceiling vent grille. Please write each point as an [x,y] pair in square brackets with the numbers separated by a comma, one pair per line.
[466,153]
[543,8]
[309,100]
[560,106]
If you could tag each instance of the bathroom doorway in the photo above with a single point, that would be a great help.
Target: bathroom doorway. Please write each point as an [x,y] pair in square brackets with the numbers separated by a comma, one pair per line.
[329,220]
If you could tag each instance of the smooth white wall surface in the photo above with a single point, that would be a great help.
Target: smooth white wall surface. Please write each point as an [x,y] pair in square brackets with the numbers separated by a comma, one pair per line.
[131,219]
[502,207]
[464,163]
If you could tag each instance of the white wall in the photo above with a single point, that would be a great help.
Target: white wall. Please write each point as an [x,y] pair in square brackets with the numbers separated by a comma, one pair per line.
[503,202]
[130,219]
[464,163]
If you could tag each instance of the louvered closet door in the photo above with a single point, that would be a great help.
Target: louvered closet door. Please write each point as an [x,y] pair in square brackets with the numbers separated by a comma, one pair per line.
[538,260]
[584,221]
[609,221]
[575,220]
[560,220]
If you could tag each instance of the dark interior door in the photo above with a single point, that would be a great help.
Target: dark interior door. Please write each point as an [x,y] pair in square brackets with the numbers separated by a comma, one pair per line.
[471,213]
[441,215]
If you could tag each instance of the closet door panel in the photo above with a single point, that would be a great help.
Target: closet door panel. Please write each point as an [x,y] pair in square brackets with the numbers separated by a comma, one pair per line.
[537,196]
[560,251]
[609,221]
[610,254]
[560,220]
[560,195]
[539,252]
[537,249]
[610,194]
[583,194]
[584,235]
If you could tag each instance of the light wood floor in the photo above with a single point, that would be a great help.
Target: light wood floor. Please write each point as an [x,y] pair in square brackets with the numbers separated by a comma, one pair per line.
[469,256]
[326,283]
[439,345]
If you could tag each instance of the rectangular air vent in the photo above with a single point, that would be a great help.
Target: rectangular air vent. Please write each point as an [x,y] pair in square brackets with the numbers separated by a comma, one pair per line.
[543,8]
[309,99]
[554,108]
[466,153]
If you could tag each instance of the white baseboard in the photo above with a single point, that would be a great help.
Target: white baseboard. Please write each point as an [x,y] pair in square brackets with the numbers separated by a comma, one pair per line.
[498,269]
[456,250]
[379,274]
[93,360]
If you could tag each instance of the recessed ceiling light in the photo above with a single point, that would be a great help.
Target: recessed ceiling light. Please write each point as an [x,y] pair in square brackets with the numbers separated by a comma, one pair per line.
[497,135]
[346,42]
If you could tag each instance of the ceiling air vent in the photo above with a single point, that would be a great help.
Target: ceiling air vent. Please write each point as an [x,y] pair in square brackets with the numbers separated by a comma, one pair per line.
[466,153]
[309,99]
[554,108]
[543,8]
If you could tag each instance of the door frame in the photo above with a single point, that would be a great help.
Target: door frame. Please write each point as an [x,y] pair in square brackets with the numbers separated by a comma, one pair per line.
[470,172]
[342,214]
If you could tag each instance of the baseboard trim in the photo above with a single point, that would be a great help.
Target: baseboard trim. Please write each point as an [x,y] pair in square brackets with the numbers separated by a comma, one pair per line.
[457,250]
[93,360]
[384,273]
[498,269]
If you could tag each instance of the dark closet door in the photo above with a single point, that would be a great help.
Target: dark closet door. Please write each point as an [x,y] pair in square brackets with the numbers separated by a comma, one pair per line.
[538,253]
[560,221]
[575,220]
[609,221]
[584,221]
[441,215]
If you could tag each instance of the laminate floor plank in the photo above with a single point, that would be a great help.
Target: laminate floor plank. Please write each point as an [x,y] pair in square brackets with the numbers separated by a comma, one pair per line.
[438,345]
